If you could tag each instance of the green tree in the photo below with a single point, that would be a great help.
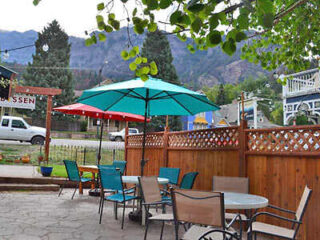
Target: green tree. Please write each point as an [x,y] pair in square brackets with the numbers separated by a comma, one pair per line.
[156,48]
[281,32]
[50,68]
[221,98]
[277,114]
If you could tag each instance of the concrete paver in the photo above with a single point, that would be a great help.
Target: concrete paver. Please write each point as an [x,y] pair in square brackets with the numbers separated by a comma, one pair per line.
[44,216]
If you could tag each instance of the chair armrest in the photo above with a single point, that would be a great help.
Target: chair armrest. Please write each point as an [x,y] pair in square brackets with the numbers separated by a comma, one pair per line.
[281,209]
[238,216]
[274,216]
[232,235]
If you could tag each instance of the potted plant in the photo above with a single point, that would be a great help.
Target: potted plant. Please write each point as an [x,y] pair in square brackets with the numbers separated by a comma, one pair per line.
[45,169]
[25,158]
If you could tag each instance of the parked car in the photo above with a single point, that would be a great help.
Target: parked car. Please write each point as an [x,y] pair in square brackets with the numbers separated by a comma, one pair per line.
[119,136]
[17,129]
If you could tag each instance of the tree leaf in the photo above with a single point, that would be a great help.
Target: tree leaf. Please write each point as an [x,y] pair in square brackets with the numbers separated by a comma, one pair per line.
[174,18]
[164,4]
[213,38]
[229,47]
[195,8]
[144,77]
[214,21]
[111,16]
[138,60]
[99,18]
[102,37]
[125,55]
[115,24]
[101,25]
[88,42]
[240,36]
[132,53]
[145,70]
[191,48]
[152,27]
[144,60]
[94,39]
[152,4]
[108,28]
[196,24]
[153,68]
[133,66]
[268,20]
[36,2]
[134,12]
[100,6]
[136,49]
[138,29]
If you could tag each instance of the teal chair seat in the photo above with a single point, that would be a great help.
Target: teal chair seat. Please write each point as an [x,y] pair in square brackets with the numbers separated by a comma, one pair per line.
[119,197]
[166,199]
[85,179]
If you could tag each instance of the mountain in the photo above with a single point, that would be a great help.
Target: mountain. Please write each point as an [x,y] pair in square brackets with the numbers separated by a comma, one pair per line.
[203,68]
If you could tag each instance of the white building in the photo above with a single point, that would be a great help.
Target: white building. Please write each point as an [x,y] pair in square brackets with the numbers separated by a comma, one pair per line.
[301,96]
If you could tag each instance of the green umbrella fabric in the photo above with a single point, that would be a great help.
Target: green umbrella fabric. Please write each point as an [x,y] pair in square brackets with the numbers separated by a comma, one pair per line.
[155,95]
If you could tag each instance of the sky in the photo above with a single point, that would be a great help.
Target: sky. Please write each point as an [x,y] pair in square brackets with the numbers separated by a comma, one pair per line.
[74,16]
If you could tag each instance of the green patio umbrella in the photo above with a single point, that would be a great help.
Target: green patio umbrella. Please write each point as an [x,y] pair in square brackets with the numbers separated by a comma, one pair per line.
[153,97]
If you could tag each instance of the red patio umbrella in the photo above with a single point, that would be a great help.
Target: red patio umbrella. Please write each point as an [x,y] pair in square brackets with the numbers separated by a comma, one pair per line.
[85,110]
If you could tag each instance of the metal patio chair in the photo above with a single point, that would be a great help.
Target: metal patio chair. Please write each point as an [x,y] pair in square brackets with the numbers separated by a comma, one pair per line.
[151,196]
[281,232]
[121,165]
[171,173]
[231,184]
[205,210]
[186,183]
[73,176]
[111,179]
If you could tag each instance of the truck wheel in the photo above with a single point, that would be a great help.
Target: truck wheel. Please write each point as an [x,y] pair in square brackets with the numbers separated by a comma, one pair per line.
[38,140]
[118,139]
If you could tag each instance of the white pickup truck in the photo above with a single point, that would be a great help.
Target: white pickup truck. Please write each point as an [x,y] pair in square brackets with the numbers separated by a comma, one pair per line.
[16,129]
[119,136]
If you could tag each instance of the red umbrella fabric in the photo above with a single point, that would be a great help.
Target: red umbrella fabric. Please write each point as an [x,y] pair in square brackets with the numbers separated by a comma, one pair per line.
[85,110]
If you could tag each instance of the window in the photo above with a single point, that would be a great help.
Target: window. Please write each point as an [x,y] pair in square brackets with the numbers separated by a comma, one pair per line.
[5,122]
[18,124]
[132,131]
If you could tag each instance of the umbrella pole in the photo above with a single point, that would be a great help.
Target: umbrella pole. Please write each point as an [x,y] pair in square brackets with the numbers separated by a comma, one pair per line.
[100,143]
[143,162]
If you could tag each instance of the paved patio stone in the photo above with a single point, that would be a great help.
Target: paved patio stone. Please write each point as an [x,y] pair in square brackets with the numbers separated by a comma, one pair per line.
[44,216]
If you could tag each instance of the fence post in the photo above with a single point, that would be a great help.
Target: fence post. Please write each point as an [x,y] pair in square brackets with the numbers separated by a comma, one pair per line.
[126,142]
[165,144]
[113,154]
[242,150]
[84,156]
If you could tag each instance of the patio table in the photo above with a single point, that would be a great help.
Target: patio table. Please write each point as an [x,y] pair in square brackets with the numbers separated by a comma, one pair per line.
[243,201]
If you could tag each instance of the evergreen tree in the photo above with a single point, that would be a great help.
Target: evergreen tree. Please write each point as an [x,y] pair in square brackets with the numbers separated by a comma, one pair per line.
[49,68]
[221,98]
[156,48]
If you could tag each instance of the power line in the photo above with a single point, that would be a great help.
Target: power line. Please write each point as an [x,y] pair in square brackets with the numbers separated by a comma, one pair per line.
[18,48]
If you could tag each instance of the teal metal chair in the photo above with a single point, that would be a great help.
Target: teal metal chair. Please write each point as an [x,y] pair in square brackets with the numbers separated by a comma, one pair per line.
[73,176]
[120,165]
[111,179]
[171,173]
[188,180]
[186,183]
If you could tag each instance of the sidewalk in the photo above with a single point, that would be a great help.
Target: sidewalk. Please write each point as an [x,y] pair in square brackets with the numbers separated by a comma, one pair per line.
[19,171]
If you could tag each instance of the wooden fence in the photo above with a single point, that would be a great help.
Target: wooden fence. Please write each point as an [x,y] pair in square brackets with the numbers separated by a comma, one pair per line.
[279,162]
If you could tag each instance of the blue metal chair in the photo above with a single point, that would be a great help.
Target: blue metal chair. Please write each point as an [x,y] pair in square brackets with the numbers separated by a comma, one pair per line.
[188,180]
[121,165]
[171,173]
[73,175]
[111,179]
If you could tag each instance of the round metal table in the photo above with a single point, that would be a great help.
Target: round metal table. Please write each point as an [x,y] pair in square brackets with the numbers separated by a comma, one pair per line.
[244,201]
[134,180]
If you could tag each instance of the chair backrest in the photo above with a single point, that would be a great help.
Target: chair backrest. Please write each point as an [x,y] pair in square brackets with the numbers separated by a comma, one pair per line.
[72,170]
[171,173]
[303,203]
[110,178]
[188,180]
[150,189]
[231,184]
[121,165]
[198,207]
